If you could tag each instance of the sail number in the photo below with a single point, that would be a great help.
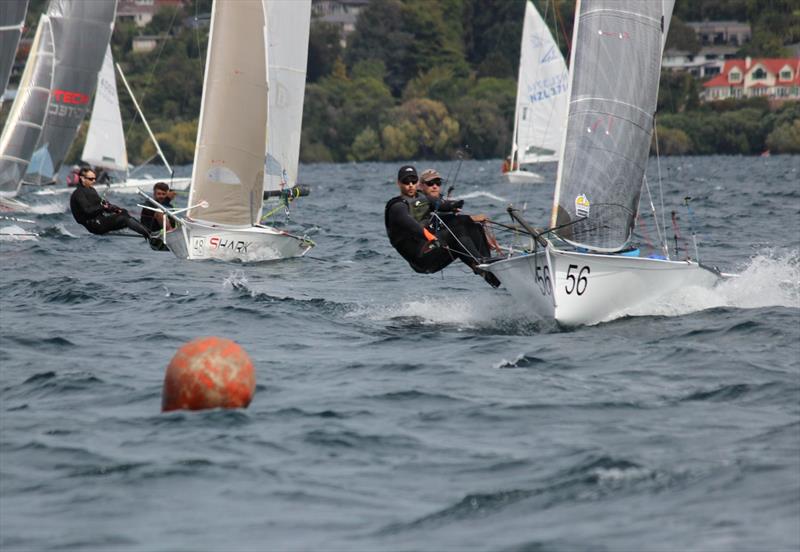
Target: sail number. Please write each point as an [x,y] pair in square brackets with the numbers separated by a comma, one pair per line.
[577,283]
[543,279]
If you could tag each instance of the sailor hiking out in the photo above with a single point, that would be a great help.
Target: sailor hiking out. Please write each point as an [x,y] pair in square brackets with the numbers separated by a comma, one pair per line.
[96,215]
[430,241]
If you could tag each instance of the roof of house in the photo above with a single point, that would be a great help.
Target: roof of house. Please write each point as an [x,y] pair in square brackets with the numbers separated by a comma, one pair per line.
[772,65]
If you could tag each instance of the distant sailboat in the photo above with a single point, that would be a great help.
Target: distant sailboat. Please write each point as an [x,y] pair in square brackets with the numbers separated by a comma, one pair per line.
[541,100]
[81,31]
[12,19]
[105,140]
[584,270]
[26,118]
[228,177]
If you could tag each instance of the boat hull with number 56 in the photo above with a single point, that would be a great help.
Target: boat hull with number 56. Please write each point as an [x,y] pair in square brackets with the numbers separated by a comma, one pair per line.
[583,288]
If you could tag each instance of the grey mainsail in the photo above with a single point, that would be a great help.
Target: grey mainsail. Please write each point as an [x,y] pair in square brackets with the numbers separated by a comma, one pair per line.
[614,70]
[12,18]
[81,32]
[24,124]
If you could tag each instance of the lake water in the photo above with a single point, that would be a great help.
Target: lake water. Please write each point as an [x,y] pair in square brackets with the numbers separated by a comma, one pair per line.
[398,411]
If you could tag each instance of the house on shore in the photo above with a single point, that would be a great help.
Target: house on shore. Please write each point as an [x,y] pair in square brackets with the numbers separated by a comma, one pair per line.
[775,78]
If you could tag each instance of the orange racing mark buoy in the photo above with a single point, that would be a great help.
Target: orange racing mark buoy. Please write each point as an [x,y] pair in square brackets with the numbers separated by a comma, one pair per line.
[208,372]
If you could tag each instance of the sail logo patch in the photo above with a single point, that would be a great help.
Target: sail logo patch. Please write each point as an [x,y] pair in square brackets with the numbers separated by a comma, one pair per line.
[551,55]
[546,88]
[215,242]
[582,206]
[67,97]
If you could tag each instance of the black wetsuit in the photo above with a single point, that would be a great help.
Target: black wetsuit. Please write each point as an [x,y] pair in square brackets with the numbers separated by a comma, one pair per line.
[99,217]
[461,238]
[150,221]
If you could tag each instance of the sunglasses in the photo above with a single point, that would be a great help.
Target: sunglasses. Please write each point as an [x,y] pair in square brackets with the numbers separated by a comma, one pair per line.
[410,180]
[436,182]
[90,179]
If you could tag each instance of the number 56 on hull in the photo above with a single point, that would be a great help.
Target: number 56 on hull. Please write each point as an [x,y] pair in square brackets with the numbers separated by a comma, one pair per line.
[586,288]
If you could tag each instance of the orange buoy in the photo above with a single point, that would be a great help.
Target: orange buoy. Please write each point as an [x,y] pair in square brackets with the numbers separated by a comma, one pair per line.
[209,372]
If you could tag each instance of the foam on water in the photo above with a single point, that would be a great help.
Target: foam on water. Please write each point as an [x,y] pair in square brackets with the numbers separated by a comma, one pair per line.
[769,279]
[16,233]
[488,195]
[50,208]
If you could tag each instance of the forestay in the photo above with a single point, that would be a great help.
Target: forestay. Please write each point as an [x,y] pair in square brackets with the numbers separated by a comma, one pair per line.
[12,18]
[26,118]
[541,93]
[105,140]
[81,32]
[615,68]
[228,170]
[288,23]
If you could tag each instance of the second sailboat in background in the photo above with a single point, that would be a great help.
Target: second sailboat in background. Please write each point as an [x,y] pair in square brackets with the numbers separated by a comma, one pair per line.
[232,160]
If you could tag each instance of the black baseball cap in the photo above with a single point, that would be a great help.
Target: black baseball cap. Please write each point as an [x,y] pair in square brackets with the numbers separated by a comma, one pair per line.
[407,170]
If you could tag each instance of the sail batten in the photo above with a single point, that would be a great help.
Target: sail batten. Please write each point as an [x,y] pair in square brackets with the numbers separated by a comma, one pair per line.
[81,30]
[613,93]
[26,118]
[12,19]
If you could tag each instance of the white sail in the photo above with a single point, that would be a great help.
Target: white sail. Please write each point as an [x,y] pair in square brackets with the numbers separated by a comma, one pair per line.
[12,19]
[26,119]
[287,44]
[228,170]
[541,94]
[105,139]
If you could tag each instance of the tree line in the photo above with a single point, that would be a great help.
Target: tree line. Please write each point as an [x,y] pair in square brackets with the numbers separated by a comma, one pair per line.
[424,79]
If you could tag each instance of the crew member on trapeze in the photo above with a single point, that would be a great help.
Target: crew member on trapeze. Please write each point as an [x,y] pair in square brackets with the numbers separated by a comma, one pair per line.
[427,250]
[96,215]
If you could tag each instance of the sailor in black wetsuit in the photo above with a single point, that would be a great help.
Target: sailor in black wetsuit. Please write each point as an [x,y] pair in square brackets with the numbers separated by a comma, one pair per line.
[153,220]
[424,250]
[96,215]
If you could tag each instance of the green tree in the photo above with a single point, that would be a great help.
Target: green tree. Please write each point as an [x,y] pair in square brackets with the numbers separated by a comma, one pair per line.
[366,146]
[671,141]
[324,47]
[785,138]
[682,37]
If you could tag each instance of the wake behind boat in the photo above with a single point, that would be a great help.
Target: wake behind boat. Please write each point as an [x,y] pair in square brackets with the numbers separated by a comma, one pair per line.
[584,270]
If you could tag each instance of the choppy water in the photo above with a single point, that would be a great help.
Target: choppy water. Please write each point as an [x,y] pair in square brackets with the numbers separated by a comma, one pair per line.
[396,411]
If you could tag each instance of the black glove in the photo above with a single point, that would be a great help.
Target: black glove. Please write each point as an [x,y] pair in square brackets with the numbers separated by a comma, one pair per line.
[458,204]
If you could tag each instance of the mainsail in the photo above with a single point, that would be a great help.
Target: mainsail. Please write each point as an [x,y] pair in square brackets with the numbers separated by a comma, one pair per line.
[81,32]
[12,18]
[228,170]
[287,42]
[615,68]
[541,94]
[105,140]
[24,124]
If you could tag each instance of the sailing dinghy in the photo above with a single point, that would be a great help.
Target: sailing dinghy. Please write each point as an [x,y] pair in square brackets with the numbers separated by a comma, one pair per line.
[226,192]
[584,270]
[541,100]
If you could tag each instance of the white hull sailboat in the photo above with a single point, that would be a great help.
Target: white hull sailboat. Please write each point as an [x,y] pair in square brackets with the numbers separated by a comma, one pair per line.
[541,100]
[228,177]
[576,288]
[584,269]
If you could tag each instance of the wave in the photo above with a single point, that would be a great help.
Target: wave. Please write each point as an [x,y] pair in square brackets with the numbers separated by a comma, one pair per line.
[17,233]
[769,279]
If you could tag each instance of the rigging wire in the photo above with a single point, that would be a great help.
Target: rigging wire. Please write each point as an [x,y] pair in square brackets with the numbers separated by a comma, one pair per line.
[660,190]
